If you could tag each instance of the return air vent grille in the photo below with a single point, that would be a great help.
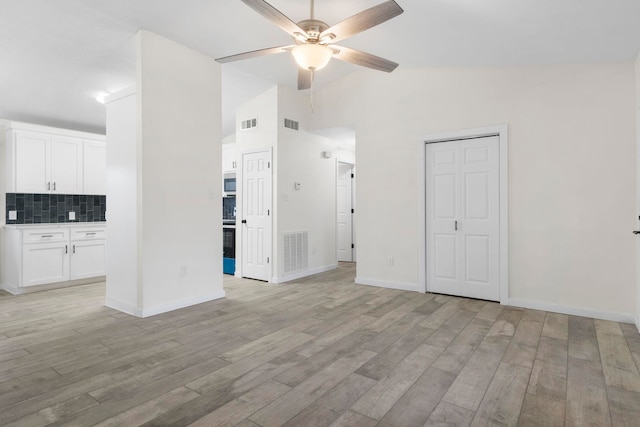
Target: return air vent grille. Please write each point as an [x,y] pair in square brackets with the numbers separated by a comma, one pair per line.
[296,251]
[291,124]
[248,124]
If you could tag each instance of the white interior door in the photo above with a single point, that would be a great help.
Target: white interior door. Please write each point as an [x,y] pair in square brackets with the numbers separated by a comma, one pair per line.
[256,215]
[345,214]
[463,218]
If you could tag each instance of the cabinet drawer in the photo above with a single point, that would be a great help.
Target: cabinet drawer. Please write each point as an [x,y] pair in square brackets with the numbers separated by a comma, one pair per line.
[88,234]
[45,236]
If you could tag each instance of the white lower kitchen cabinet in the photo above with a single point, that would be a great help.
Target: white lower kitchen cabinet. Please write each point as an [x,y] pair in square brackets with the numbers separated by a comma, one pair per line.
[44,263]
[48,255]
[88,254]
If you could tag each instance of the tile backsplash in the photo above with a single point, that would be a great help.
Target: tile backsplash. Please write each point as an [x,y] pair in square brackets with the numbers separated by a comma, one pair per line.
[55,208]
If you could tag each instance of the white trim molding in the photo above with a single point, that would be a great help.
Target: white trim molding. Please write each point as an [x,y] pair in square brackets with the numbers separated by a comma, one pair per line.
[574,311]
[637,323]
[162,308]
[502,131]
[386,284]
[301,274]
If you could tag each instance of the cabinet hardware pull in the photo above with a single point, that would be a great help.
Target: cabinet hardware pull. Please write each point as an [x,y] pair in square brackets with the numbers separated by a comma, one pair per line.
[66,249]
[54,186]
[49,185]
[90,234]
[456,225]
[74,249]
[46,235]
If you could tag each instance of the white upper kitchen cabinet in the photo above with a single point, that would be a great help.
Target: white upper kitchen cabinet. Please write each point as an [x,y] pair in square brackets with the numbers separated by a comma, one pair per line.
[41,159]
[95,167]
[66,165]
[31,153]
[229,158]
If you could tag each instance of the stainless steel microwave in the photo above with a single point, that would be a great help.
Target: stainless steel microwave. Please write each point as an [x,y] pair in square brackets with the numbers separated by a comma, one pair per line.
[229,185]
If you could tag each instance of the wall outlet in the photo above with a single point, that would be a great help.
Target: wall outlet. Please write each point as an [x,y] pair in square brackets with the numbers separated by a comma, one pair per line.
[183,270]
[390,261]
[72,216]
[13,215]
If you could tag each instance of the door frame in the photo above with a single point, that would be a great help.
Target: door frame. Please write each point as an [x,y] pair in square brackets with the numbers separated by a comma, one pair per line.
[501,131]
[353,219]
[239,209]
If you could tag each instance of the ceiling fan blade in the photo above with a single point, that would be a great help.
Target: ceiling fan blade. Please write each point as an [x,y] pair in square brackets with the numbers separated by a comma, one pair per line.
[304,79]
[362,58]
[253,54]
[276,17]
[362,21]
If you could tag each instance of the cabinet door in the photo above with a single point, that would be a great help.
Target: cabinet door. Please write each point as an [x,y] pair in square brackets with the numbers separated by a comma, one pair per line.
[32,153]
[45,263]
[229,158]
[88,259]
[66,165]
[95,167]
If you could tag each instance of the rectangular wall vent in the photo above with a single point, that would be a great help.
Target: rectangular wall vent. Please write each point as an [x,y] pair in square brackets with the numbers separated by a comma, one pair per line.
[296,251]
[248,124]
[291,124]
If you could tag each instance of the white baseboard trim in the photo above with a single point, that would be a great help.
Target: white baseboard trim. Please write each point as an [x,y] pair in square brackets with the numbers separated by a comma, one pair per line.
[13,290]
[386,284]
[122,306]
[186,302]
[638,323]
[162,308]
[574,311]
[301,274]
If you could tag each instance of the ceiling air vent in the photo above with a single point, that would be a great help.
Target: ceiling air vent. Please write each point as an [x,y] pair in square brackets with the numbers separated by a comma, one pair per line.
[291,124]
[248,124]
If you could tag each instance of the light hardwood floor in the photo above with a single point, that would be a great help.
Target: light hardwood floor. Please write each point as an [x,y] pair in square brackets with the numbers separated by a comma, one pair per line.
[316,352]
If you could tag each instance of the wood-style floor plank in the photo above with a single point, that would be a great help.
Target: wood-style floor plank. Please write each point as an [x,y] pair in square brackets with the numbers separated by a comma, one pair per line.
[318,351]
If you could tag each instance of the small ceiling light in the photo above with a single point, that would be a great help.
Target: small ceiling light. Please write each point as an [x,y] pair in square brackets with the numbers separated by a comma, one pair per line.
[312,56]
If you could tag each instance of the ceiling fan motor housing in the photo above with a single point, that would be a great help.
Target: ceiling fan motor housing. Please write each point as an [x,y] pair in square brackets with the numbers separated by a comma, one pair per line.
[313,28]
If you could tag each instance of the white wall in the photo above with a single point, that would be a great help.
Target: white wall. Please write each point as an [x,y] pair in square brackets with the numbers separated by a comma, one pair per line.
[177,180]
[3,204]
[180,134]
[637,70]
[571,171]
[297,157]
[123,217]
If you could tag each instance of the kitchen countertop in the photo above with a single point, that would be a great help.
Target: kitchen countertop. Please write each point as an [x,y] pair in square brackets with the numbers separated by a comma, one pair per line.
[58,225]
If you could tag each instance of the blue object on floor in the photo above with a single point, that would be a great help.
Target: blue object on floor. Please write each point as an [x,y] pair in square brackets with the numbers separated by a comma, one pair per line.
[229,265]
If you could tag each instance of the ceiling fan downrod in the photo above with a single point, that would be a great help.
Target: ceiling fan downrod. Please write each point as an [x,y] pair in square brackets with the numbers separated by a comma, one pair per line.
[311,14]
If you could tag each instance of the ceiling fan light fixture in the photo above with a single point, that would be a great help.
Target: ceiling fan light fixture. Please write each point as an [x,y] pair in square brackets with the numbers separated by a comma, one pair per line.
[312,56]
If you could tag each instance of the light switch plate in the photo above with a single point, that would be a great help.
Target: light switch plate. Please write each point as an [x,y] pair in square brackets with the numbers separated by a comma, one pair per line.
[13,215]
[72,216]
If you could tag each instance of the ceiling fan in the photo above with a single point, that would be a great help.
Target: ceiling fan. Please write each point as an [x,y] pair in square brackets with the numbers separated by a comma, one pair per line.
[314,40]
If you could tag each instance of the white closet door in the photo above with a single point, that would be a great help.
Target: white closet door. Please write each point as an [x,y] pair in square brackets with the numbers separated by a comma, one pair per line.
[463,222]
[344,214]
[256,215]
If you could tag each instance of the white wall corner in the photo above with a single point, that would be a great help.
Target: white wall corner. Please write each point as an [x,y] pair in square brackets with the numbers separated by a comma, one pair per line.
[183,303]
[301,274]
[13,290]
[123,307]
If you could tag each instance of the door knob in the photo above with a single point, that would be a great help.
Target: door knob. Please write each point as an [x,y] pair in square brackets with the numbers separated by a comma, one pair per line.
[244,221]
[636,232]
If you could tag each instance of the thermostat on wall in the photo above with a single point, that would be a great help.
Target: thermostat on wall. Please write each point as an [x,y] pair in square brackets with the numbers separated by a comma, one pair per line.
[297,185]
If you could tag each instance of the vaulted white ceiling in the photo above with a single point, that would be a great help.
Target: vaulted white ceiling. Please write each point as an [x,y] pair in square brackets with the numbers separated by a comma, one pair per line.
[56,56]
